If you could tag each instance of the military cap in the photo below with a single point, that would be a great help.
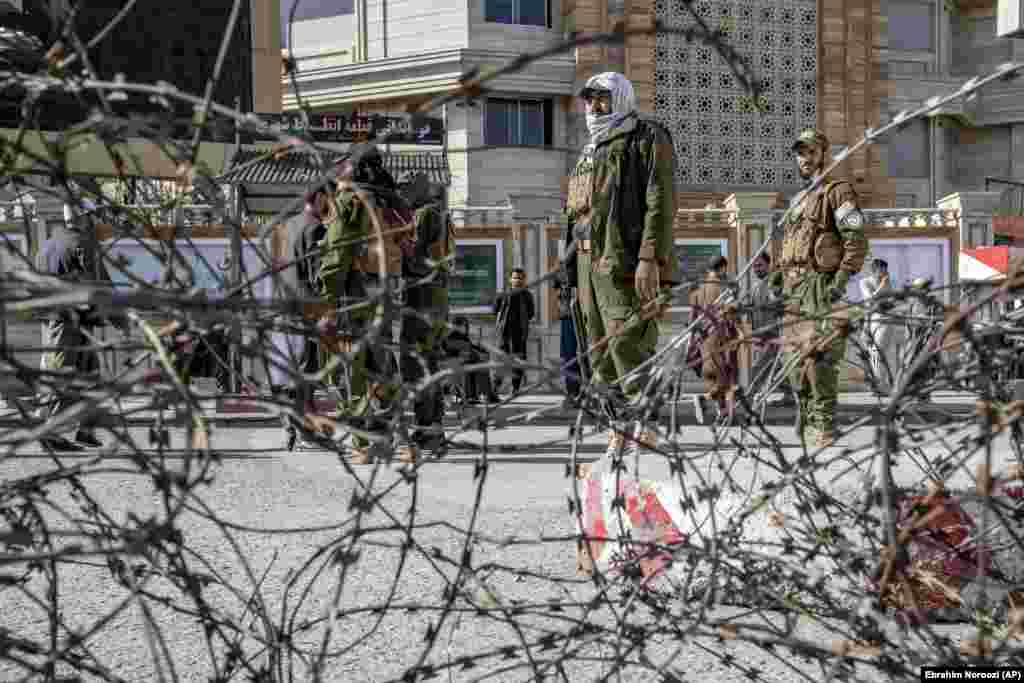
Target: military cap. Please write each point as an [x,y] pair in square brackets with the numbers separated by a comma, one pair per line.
[811,136]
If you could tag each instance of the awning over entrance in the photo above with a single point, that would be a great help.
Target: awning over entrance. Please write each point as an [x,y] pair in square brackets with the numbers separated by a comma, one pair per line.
[270,184]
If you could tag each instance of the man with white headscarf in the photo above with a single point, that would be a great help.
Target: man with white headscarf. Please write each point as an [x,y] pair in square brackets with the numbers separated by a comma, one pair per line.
[620,209]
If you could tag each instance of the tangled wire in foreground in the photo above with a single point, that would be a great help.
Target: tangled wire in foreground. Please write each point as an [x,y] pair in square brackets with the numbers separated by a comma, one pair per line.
[145,561]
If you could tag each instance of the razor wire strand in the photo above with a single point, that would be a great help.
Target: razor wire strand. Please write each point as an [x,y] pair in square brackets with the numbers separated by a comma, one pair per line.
[276,654]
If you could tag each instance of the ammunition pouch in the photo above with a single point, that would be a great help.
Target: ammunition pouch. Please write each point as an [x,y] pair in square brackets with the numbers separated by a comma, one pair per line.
[828,252]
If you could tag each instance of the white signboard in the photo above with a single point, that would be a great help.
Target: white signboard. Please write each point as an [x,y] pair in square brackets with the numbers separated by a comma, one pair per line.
[908,260]
[207,257]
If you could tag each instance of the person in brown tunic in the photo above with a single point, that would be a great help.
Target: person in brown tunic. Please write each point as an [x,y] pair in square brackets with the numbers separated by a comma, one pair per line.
[713,350]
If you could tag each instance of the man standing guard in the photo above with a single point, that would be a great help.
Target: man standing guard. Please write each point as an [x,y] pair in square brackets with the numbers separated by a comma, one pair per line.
[425,247]
[349,274]
[823,246]
[620,208]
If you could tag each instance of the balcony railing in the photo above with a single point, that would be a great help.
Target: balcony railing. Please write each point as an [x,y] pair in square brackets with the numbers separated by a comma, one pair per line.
[481,215]
[893,218]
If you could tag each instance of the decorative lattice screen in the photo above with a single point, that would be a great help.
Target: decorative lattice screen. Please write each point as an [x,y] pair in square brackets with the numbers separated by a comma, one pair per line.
[721,140]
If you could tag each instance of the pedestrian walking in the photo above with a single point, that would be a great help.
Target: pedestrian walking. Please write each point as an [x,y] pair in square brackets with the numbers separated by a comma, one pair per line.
[713,352]
[620,210]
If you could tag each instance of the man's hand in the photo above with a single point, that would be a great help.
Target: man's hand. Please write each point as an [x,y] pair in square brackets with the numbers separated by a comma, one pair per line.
[648,277]
[838,289]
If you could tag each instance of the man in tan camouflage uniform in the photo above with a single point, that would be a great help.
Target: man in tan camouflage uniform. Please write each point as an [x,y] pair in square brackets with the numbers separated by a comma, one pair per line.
[823,246]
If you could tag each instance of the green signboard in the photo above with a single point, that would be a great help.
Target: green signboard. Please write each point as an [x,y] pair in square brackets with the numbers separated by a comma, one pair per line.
[693,257]
[475,279]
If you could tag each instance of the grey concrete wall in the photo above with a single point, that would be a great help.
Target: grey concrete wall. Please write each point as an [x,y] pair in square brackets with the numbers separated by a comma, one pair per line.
[981,152]
[975,47]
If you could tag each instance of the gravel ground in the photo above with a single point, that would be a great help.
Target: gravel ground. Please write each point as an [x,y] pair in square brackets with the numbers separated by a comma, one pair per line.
[309,495]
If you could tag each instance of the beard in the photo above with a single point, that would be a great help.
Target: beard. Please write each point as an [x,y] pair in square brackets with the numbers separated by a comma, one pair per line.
[815,169]
[808,174]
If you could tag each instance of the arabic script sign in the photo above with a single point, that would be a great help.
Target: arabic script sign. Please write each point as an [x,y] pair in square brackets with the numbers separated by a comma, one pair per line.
[335,127]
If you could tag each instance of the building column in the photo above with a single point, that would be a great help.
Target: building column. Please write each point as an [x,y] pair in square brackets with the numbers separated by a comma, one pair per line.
[940,151]
[975,211]
[750,222]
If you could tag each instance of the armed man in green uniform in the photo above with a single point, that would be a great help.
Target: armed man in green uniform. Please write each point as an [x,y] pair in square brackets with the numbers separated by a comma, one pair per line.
[425,248]
[350,267]
[620,208]
[822,247]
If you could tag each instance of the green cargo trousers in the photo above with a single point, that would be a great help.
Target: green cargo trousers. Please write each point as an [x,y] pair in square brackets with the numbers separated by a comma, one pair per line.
[611,308]
[814,377]
[366,401]
[375,388]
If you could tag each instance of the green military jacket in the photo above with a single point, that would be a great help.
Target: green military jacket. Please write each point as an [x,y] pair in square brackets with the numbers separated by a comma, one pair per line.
[622,199]
[429,242]
[821,233]
[344,244]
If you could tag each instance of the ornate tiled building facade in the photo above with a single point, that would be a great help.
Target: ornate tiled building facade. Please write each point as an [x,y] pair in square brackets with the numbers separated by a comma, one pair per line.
[723,142]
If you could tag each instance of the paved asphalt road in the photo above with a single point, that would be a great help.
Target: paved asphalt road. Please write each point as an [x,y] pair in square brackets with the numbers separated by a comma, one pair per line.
[523,496]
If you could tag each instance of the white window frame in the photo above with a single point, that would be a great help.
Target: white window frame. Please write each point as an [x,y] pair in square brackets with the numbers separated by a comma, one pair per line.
[499,274]
[518,101]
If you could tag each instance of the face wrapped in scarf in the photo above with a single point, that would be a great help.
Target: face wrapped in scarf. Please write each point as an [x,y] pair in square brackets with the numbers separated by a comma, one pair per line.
[619,91]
